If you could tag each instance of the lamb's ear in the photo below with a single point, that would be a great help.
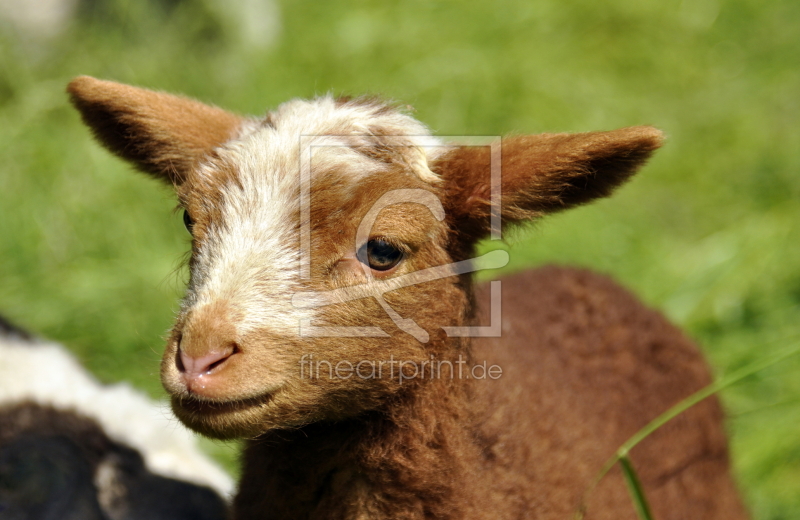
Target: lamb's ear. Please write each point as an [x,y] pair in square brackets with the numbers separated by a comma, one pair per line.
[162,134]
[542,174]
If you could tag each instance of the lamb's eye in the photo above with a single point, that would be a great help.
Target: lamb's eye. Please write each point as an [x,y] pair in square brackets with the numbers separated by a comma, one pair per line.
[381,255]
[187,221]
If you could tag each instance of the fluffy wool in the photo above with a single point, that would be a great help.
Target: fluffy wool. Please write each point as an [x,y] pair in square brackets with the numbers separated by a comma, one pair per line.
[46,373]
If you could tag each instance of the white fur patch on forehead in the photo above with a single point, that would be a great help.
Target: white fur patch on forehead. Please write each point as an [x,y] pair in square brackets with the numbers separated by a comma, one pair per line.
[362,134]
[250,257]
[328,116]
[374,130]
[250,254]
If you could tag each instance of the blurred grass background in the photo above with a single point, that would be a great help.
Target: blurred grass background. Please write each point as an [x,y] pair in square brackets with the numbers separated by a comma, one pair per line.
[89,252]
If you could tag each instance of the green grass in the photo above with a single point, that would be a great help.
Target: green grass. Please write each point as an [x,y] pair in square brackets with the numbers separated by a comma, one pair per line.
[89,252]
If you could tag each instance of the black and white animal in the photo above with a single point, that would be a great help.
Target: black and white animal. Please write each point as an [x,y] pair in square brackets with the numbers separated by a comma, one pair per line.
[73,449]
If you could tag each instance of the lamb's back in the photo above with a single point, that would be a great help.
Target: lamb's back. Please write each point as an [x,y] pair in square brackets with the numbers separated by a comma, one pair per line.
[585,366]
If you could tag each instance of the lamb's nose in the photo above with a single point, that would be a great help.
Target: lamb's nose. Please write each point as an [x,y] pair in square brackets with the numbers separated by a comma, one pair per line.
[194,367]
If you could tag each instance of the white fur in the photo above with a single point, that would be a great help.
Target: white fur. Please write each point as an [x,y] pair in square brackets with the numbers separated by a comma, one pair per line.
[46,373]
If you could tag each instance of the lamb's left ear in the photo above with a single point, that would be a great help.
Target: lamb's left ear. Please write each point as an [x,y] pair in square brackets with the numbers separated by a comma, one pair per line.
[541,174]
[162,134]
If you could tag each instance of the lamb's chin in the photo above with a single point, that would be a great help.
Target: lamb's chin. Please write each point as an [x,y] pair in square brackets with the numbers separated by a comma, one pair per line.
[226,420]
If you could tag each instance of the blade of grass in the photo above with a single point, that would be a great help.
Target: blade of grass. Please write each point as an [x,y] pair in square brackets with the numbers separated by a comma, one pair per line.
[635,488]
[682,406]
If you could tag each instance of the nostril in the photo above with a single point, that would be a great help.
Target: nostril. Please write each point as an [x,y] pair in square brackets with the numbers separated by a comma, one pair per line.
[215,364]
[178,351]
[199,365]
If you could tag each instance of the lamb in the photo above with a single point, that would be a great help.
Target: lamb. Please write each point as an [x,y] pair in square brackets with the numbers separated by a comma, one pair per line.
[331,318]
[73,448]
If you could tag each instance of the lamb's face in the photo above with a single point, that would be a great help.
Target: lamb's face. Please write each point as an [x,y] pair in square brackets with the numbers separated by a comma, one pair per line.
[252,348]
[318,241]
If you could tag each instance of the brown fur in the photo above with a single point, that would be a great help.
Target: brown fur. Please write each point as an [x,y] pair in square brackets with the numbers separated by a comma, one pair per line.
[164,135]
[584,363]
[541,174]
[589,368]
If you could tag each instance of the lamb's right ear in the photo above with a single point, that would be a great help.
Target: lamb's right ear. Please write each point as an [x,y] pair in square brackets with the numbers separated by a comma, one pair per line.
[162,134]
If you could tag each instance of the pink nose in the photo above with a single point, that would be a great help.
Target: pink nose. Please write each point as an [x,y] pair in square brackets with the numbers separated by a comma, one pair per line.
[194,367]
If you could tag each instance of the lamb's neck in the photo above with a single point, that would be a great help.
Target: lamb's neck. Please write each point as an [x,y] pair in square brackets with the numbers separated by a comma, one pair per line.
[407,461]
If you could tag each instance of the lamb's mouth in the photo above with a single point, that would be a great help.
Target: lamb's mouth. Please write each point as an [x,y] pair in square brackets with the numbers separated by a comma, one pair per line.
[208,408]
[223,419]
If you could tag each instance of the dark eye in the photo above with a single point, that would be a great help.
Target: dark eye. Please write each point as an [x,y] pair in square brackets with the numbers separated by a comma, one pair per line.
[187,221]
[382,255]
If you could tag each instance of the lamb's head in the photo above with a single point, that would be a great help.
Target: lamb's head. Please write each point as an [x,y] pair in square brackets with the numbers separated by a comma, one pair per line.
[329,242]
